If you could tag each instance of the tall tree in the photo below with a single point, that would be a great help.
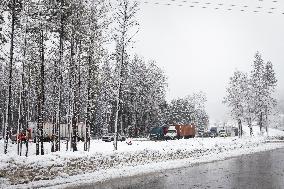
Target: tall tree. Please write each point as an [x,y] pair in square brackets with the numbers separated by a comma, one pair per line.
[125,20]
[270,82]
[187,110]
[97,84]
[3,41]
[251,98]
[236,97]
[14,6]
[41,82]
[257,75]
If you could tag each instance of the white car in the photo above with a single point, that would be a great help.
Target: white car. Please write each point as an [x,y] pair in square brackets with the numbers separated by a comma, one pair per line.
[223,133]
[110,137]
[172,133]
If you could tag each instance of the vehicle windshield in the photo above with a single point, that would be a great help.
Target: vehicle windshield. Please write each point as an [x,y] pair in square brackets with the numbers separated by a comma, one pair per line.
[155,130]
[213,129]
[172,131]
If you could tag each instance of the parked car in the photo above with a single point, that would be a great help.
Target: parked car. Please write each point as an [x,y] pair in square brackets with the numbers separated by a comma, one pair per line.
[157,133]
[206,134]
[213,134]
[171,133]
[222,133]
[110,137]
[214,130]
[14,138]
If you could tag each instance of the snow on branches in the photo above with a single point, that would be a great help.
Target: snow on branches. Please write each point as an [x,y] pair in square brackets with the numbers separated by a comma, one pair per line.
[250,96]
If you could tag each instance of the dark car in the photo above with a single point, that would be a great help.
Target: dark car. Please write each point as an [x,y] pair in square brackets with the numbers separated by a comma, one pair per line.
[213,134]
[157,133]
[14,138]
[214,131]
[206,134]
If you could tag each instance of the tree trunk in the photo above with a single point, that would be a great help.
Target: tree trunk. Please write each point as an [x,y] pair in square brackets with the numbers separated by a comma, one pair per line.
[41,97]
[69,120]
[54,116]
[58,114]
[19,129]
[266,120]
[250,126]
[118,99]
[74,91]
[261,121]
[27,144]
[89,104]
[240,128]
[8,114]
[59,80]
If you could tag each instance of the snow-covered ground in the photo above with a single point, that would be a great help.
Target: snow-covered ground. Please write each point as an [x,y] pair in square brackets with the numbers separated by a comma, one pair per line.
[67,168]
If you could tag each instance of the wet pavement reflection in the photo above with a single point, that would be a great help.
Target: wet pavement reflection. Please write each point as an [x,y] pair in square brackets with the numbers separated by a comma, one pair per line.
[263,170]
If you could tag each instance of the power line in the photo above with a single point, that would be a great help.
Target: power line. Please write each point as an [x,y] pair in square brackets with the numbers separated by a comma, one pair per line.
[220,6]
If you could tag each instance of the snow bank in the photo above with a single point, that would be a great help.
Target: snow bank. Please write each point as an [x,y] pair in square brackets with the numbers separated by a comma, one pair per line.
[103,163]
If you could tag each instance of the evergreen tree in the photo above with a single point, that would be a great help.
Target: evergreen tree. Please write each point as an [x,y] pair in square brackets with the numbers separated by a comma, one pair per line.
[270,82]
[236,97]
[189,110]
[257,76]
[251,98]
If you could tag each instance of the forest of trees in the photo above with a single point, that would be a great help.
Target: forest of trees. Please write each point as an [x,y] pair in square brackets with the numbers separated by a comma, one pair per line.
[250,97]
[187,110]
[71,61]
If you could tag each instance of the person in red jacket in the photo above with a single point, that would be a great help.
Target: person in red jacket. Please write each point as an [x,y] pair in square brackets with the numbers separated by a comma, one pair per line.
[21,137]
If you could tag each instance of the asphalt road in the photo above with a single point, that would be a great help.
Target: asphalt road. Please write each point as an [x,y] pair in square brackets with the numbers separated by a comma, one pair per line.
[263,170]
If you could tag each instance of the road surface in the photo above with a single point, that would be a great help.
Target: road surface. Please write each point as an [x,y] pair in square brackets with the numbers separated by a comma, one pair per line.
[263,170]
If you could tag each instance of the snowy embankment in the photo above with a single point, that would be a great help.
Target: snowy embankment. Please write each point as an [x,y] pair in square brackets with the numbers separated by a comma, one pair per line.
[103,163]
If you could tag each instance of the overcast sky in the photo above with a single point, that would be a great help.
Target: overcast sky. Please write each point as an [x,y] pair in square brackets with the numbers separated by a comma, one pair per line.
[200,48]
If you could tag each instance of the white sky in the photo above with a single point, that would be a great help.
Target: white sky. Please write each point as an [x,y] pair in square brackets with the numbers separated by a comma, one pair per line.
[200,48]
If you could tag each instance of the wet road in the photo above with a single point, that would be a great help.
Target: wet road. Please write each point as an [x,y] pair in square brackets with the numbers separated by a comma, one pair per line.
[260,171]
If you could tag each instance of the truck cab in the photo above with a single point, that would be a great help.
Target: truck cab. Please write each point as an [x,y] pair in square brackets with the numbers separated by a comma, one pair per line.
[223,133]
[157,133]
[172,133]
[214,132]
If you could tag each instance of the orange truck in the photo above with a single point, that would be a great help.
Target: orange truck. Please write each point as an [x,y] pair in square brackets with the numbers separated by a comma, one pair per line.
[185,131]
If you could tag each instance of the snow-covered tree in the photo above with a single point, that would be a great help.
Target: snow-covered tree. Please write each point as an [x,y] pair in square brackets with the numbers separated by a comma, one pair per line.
[190,109]
[263,85]
[257,77]
[250,97]
[237,92]
[125,21]
[98,23]
[146,95]
[14,8]
[58,68]
[270,82]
